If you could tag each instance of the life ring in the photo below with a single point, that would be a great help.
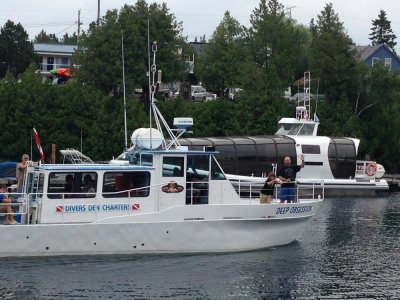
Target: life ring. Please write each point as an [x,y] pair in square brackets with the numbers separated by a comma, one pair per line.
[370,169]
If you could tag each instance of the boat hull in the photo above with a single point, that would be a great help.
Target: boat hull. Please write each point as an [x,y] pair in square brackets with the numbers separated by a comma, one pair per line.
[260,226]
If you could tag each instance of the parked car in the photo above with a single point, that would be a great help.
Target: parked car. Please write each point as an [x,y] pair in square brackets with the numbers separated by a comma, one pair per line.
[233,91]
[204,97]
[199,94]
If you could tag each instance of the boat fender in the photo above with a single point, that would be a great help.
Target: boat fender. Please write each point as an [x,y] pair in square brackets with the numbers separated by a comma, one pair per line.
[370,169]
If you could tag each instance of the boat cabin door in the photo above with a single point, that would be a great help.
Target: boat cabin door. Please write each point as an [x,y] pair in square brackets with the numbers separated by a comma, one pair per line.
[172,189]
[197,179]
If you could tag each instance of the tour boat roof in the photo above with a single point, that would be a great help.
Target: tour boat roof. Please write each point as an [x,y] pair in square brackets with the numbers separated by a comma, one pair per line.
[81,167]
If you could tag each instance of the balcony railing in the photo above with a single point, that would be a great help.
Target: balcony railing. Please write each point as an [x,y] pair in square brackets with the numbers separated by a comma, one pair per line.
[49,67]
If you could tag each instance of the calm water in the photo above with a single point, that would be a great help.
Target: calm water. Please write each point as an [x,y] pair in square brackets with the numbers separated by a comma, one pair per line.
[349,250]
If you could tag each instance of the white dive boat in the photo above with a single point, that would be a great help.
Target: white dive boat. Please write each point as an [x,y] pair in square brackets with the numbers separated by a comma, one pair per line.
[162,199]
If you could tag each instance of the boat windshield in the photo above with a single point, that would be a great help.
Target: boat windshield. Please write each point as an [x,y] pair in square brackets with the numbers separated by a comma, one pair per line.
[288,129]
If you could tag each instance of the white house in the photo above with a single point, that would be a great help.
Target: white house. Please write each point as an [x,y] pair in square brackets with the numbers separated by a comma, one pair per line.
[53,56]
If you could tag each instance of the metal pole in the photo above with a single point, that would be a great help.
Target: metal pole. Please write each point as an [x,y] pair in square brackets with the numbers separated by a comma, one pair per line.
[123,83]
[150,99]
[98,12]
[79,23]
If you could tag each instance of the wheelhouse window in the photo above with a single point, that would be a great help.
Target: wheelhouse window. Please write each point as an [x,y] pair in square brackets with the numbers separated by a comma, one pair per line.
[72,185]
[34,184]
[137,159]
[288,129]
[307,129]
[173,166]
[216,172]
[198,166]
[126,184]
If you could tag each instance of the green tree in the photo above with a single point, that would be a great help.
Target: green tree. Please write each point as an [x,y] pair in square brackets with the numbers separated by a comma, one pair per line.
[331,59]
[99,51]
[70,39]
[272,42]
[43,37]
[381,123]
[381,32]
[223,56]
[16,51]
[62,114]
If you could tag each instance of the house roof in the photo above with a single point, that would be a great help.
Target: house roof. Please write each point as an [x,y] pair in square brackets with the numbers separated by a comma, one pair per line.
[199,47]
[363,52]
[55,48]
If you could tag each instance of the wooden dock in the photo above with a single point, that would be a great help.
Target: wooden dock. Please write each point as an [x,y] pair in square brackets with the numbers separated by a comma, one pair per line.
[393,181]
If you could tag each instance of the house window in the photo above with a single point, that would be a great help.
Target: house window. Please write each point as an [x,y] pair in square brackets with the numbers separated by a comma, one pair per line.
[388,63]
[50,63]
[375,61]
[41,63]
[62,62]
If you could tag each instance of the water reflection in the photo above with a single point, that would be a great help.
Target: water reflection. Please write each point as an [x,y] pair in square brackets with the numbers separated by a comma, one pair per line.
[350,249]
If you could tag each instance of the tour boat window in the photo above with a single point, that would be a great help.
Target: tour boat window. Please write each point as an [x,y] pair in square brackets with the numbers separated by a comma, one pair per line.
[286,150]
[173,166]
[246,158]
[34,185]
[311,149]
[72,185]
[126,184]
[307,129]
[146,159]
[216,172]
[199,166]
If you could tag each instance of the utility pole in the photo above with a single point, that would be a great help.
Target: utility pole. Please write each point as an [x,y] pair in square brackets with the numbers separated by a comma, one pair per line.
[290,11]
[98,12]
[79,23]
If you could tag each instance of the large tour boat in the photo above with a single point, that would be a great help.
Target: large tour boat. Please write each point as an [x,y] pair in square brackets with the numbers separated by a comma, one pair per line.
[331,159]
[159,197]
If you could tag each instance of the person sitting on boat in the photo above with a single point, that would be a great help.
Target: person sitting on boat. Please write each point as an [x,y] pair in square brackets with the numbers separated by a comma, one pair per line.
[69,185]
[8,218]
[267,191]
[287,174]
[89,187]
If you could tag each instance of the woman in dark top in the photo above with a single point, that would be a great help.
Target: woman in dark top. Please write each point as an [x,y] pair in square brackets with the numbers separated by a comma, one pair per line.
[267,191]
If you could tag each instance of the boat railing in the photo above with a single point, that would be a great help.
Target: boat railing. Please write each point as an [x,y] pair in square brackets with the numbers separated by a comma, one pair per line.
[19,206]
[303,190]
[197,192]
[365,169]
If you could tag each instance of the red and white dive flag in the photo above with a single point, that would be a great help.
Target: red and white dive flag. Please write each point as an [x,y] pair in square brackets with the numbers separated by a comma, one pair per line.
[38,143]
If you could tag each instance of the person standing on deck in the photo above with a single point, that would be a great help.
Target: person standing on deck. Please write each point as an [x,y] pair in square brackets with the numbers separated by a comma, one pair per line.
[287,174]
[21,171]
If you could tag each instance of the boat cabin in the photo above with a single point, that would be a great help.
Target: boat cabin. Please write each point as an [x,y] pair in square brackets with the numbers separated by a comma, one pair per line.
[146,181]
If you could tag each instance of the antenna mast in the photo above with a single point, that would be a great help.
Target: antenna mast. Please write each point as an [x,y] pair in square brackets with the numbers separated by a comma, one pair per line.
[123,83]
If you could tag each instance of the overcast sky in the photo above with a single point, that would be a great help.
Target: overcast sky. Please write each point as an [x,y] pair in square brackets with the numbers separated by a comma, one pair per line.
[199,17]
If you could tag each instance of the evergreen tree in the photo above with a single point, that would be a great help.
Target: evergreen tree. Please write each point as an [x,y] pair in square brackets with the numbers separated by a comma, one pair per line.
[70,39]
[99,53]
[223,56]
[382,32]
[16,51]
[331,59]
[272,41]
[45,38]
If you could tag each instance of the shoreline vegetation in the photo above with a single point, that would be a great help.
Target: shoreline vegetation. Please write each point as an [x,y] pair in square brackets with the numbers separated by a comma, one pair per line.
[87,114]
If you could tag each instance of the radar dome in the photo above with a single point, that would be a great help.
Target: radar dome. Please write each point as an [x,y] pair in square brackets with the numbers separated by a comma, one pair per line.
[147,138]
